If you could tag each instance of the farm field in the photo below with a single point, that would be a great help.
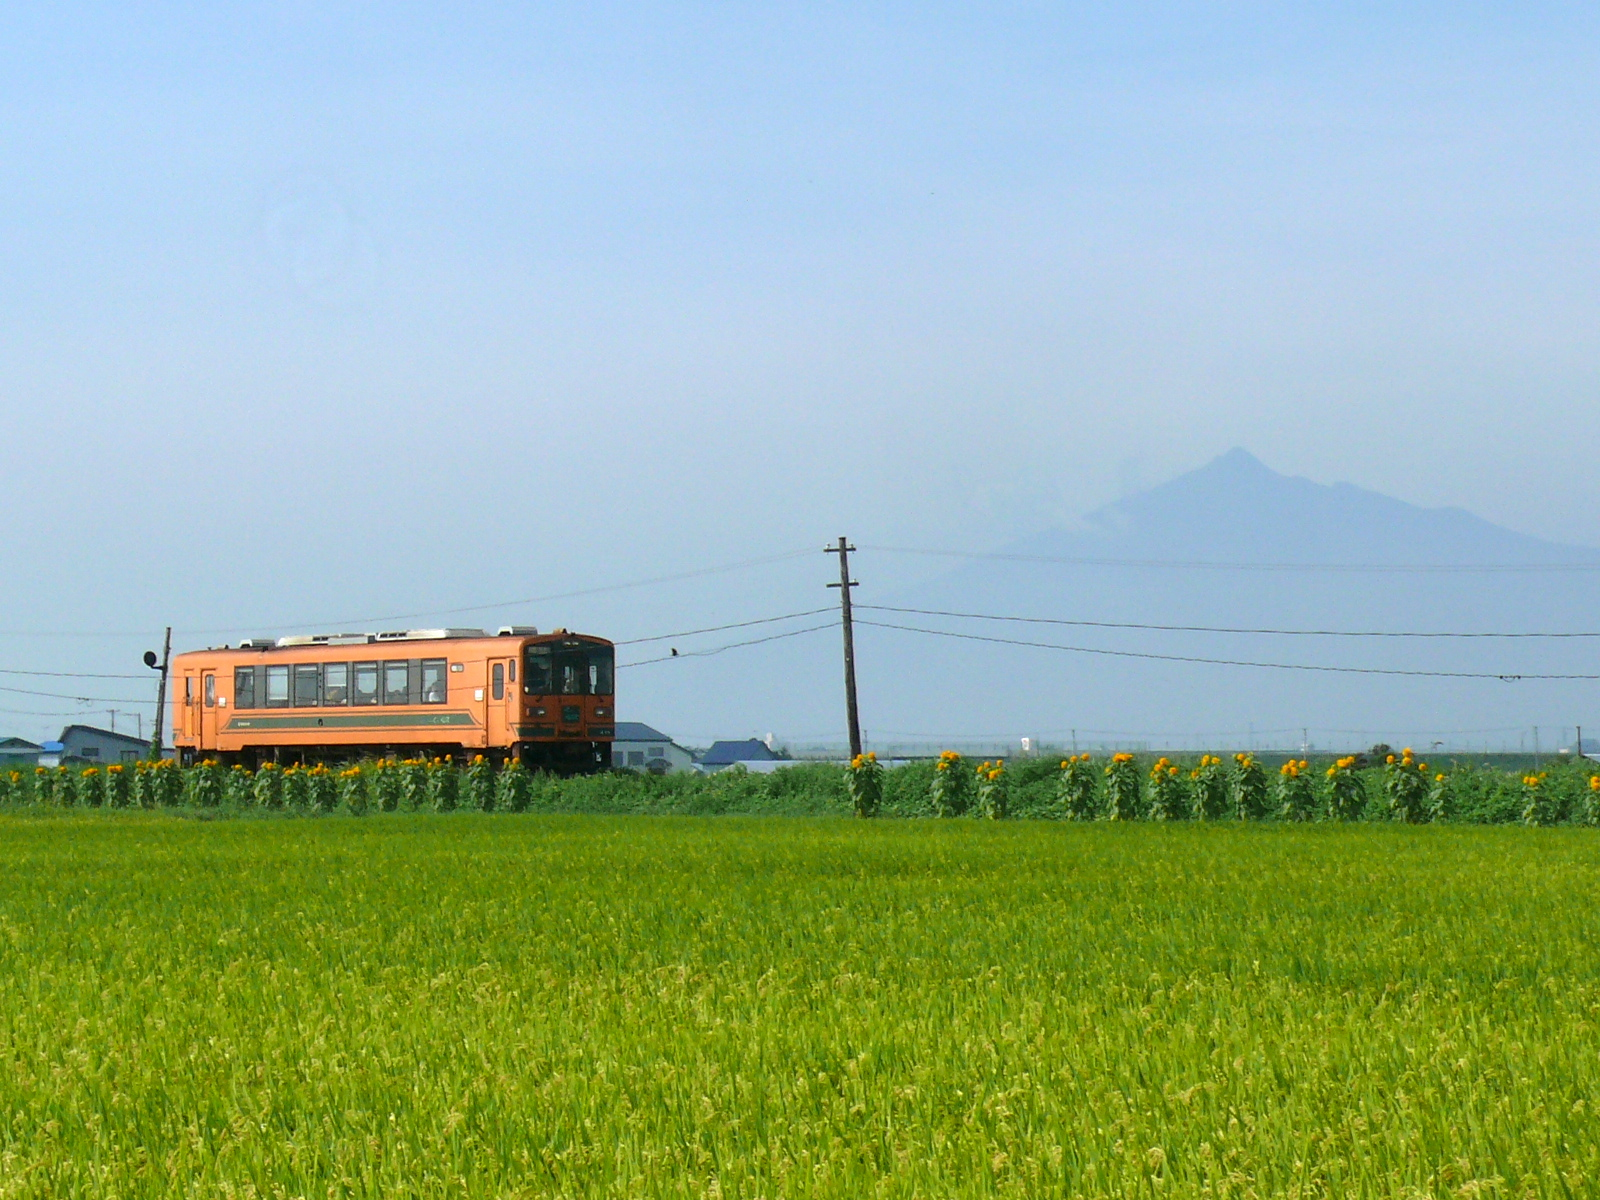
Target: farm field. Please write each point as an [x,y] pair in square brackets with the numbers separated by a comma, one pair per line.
[481,1004]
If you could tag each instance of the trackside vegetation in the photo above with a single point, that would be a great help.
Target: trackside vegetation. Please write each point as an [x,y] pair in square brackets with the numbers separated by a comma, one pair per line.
[1121,787]
[492,1005]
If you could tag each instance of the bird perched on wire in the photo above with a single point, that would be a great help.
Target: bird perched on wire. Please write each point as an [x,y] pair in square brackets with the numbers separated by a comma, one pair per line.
[674,652]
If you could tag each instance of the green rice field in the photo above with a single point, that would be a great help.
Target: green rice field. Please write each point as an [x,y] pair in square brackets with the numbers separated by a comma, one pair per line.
[476,1004]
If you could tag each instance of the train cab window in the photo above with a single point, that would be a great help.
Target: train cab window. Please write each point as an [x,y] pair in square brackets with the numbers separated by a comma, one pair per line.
[335,683]
[307,684]
[497,681]
[277,694]
[572,672]
[211,691]
[435,672]
[366,683]
[397,682]
[536,671]
[602,668]
[244,687]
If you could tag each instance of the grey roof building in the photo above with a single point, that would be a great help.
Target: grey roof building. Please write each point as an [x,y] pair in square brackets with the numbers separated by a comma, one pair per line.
[727,754]
[86,743]
[641,747]
[17,752]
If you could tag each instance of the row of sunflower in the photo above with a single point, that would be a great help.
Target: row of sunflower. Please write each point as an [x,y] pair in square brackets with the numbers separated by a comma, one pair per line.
[384,785]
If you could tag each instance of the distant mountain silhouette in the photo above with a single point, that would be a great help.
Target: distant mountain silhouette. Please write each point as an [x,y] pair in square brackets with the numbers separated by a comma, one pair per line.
[1235,508]
[1257,526]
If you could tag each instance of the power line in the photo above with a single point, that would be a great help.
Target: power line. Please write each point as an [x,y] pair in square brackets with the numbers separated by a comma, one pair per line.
[1228,662]
[69,674]
[935,612]
[262,626]
[591,591]
[1202,565]
[730,646]
[663,637]
[84,699]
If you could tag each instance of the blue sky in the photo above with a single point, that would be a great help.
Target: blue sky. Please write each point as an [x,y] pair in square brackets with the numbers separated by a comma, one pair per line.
[325,310]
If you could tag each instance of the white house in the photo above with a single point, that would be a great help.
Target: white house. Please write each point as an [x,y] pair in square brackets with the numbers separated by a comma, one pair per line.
[641,748]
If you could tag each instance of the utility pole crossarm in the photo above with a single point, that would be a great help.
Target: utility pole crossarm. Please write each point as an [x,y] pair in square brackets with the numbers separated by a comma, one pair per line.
[844,585]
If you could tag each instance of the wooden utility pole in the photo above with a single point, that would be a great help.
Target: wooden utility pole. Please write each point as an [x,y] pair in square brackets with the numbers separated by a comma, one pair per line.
[844,585]
[161,690]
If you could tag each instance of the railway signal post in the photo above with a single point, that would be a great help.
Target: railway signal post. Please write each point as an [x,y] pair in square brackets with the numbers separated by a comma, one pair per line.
[844,585]
[161,689]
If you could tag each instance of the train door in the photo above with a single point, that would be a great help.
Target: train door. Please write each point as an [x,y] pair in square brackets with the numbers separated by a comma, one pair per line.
[497,707]
[191,727]
[208,710]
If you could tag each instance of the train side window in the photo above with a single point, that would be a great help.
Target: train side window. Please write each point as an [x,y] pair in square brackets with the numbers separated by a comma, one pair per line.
[307,684]
[244,687]
[188,689]
[366,683]
[335,683]
[277,687]
[211,691]
[497,681]
[435,673]
[397,682]
[512,667]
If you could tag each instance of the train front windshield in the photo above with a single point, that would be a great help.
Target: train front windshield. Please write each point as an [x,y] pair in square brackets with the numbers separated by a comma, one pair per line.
[582,670]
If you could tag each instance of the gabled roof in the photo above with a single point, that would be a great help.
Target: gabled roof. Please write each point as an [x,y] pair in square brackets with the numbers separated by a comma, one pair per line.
[96,731]
[638,731]
[16,743]
[722,754]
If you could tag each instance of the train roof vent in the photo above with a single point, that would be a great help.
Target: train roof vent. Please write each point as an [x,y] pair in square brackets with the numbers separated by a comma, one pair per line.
[261,643]
[408,635]
[517,631]
[325,639]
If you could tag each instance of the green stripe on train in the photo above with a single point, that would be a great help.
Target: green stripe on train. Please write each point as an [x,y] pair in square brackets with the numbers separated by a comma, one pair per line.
[351,721]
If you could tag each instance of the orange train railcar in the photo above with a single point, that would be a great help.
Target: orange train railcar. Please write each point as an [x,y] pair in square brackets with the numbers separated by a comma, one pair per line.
[546,699]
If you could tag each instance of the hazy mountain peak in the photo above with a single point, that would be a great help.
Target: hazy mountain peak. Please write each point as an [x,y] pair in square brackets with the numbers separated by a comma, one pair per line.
[1237,508]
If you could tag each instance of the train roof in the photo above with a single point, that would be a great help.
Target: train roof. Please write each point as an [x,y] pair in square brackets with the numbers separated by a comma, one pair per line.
[316,640]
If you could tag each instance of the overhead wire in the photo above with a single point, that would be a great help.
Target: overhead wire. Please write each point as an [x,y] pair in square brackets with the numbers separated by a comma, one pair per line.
[1205,565]
[1507,677]
[666,637]
[1150,626]
[71,674]
[83,699]
[730,646]
[698,573]
[260,626]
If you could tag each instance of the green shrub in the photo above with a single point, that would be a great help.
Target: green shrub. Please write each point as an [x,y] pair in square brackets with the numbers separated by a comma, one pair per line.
[269,787]
[91,787]
[1296,794]
[1405,787]
[444,785]
[1249,788]
[480,786]
[1208,788]
[353,795]
[513,788]
[951,793]
[1167,801]
[993,798]
[1124,801]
